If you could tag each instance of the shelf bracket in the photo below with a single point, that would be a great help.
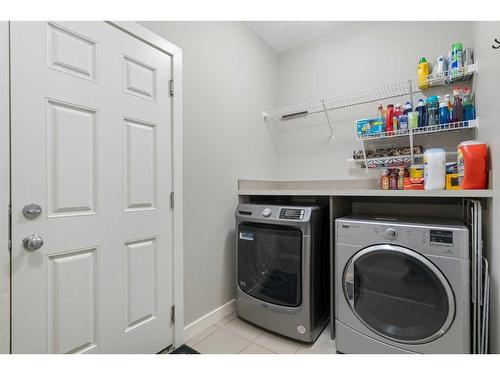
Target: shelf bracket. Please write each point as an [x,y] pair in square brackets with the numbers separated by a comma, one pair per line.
[332,135]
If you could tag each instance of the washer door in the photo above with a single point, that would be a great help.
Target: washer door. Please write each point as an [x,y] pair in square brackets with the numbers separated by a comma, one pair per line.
[399,294]
[269,261]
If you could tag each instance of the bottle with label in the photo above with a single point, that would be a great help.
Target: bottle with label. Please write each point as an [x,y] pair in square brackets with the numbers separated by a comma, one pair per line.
[384,180]
[422,113]
[444,113]
[422,73]
[393,180]
[401,178]
[380,110]
[407,108]
[469,109]
[432,110]
[457,112]
[457,61]
[389,115]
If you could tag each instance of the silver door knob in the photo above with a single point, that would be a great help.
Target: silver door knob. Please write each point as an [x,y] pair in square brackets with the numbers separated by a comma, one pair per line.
[33,242]
[32,211]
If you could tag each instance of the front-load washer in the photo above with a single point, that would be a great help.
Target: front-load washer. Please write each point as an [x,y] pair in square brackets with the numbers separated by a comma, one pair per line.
[402,286]
[282,281]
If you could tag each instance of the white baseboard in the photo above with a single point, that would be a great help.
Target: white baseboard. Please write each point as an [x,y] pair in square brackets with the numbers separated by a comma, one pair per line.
[198,326]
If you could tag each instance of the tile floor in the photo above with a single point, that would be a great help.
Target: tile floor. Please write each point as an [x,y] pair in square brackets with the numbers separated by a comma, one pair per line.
[232,336]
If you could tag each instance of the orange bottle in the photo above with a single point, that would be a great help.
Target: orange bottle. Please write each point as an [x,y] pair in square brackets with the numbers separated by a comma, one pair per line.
[472,167]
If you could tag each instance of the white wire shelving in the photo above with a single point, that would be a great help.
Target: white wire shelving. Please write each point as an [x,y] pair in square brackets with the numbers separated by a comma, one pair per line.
[331,110]
[411,133]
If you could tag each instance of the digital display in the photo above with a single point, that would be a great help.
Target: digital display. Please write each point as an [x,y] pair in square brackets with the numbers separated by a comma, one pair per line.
[290,213]
[441,237]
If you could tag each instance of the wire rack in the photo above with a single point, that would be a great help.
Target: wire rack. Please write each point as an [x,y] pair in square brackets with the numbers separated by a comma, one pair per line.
[452,126]
[346,106]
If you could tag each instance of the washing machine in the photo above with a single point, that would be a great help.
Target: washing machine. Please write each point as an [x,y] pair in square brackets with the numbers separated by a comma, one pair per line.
[402,285]
[282,268]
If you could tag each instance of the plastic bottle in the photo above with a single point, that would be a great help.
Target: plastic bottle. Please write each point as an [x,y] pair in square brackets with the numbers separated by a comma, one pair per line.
[457,112]
[444,113]
[384,180]
[432,110]
[469,109]
[472,165]
[407,108]
[422,113]
[401,178]
[447,99]
[422,73]
[457,60]
[380,110]
[434,169]
[393,180]
[389,114]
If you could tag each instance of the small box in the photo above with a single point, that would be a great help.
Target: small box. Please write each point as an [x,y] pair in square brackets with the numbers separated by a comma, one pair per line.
[370,126]
[452,182]
[413,183]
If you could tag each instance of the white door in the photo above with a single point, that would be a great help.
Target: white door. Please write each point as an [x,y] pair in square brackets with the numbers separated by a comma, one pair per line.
[91,145]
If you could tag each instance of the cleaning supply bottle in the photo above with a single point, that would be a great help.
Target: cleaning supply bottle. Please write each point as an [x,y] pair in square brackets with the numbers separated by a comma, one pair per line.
[395,119]
[434,169]
[389,114]
[457,112]
[432,110]
[380,110]
[422,113]
[457,61]
[422,73]
[407,108]
[472,165]
[444,113]
[469,109]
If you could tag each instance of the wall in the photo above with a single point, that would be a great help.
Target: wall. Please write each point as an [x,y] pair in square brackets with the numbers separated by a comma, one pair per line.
[488,84]
[229,77]
[365,55]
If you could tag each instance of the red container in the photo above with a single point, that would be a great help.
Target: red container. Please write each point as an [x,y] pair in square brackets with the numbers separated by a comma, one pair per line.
[472,167]
[389,114]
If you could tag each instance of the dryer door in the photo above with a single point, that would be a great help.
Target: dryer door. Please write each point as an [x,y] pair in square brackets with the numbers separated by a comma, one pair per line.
[399,294]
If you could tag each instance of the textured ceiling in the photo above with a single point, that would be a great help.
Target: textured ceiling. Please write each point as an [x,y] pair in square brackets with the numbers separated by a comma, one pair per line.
[283,35]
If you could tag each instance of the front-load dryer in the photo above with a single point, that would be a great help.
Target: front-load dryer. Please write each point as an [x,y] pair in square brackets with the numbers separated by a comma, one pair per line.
[402,286]
[282,268]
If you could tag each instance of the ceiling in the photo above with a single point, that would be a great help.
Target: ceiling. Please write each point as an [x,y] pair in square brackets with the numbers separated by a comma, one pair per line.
[283,35]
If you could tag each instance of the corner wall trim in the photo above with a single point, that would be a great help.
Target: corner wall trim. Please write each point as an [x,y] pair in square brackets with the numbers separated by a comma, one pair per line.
[198,326]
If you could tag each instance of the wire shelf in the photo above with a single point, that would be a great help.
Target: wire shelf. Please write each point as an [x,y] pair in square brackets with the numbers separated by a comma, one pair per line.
[388,161]
[452,126]
[448,78]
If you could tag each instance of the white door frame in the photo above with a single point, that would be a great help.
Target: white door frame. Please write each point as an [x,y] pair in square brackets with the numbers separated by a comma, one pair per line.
[152,39]
[4,190]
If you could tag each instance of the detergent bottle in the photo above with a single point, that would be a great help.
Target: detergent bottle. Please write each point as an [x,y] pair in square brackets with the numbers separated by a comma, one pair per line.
[422,73]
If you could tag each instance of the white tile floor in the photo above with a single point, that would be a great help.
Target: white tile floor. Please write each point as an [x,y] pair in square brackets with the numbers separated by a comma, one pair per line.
[232,335]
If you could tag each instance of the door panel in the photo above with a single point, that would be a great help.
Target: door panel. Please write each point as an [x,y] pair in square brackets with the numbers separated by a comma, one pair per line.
[91,144]
[399,294]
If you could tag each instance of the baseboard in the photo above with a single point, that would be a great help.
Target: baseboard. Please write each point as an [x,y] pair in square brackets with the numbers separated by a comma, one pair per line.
[198,326]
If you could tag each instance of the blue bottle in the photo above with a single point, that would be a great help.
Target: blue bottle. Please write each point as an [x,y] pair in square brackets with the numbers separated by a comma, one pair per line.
[422,113]
[444,113]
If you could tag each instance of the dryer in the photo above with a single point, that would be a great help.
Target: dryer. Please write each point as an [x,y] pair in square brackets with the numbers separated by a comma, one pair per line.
[402,286]
[282,268]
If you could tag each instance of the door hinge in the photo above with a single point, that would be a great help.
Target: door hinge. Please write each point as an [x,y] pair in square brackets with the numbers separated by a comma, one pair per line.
[172,314]
[172,200]
[171,87]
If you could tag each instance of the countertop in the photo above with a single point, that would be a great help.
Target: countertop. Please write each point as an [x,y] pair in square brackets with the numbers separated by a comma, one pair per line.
[346,188]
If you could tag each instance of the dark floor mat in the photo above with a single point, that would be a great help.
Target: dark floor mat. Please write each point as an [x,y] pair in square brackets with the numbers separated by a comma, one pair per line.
[184,349]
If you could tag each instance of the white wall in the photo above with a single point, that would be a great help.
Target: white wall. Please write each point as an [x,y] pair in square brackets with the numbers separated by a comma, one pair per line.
[229,77]
[488,84]
[365,55]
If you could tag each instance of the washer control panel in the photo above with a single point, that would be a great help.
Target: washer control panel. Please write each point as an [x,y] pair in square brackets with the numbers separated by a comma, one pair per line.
[292,213]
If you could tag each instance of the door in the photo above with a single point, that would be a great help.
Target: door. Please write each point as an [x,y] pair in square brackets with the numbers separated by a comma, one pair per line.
[91,146]
[270,263]
[399,294]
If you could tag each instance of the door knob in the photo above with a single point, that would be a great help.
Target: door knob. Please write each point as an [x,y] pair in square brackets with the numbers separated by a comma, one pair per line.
[33,242]
[32,211]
